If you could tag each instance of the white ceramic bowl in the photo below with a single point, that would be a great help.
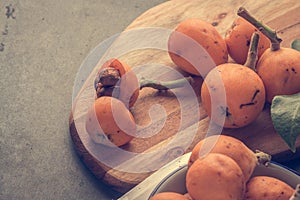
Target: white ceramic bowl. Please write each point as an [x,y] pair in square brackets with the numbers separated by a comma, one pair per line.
[175,181]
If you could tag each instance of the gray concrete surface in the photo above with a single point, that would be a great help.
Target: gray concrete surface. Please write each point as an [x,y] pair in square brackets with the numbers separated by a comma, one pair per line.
[42,45]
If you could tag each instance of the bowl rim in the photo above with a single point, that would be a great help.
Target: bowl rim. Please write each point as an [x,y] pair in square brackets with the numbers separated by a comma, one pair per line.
[285,167]
[186,165]
[166,178]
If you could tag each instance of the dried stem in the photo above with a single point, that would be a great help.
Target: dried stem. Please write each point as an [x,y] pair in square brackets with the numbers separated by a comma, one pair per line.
[107,83]
[267,31]
[252,52]
[262,158]
[165,85]
[109,76]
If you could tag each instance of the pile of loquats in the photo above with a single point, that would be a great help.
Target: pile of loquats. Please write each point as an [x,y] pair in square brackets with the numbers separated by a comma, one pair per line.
[260,70]
[225,173]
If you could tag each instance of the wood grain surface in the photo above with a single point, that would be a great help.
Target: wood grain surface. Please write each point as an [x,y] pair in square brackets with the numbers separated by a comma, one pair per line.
[162,113]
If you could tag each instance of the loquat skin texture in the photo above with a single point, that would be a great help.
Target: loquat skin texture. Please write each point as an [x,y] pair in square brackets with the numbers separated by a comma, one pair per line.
[188,196]
[169,196]
[267,188]
[244,92]
[238,38]
[109,122]
[228,146]
[280,72]
[196,47]
[215,176]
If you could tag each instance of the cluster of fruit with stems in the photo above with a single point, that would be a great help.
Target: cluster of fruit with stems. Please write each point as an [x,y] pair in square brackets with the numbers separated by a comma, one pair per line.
[261,70]
[109,120]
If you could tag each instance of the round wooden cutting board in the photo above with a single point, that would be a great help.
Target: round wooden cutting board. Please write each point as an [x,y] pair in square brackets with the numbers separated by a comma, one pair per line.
[169,123]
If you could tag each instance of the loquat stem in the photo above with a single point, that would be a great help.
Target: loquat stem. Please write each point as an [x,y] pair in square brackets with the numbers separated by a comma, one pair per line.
[296,194]
[267,31]
[107,82]
[252,52]
[263,158]
[109,77]
[165,85]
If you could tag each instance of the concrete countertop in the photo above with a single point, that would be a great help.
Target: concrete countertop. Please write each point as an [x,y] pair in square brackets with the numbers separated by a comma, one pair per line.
[42,45]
